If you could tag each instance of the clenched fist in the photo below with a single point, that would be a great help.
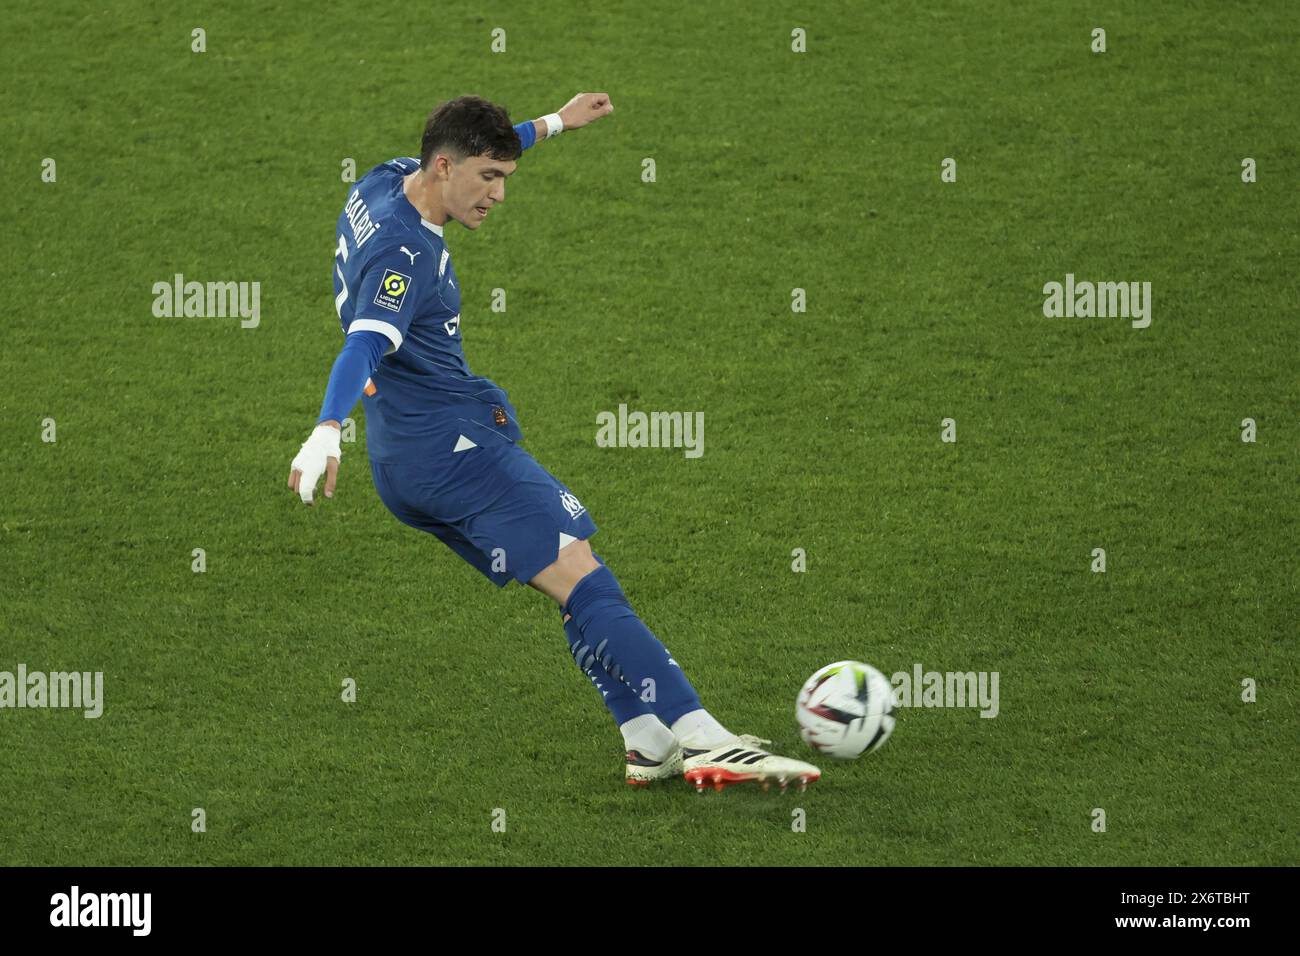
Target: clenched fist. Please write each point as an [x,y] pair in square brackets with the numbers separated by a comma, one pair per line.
[585,108]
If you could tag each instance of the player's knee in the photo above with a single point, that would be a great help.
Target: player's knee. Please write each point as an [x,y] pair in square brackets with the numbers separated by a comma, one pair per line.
[574,562]
[576,559]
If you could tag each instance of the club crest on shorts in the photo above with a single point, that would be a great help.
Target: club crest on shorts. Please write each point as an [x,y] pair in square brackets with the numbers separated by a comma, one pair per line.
[571,504]
[392,290]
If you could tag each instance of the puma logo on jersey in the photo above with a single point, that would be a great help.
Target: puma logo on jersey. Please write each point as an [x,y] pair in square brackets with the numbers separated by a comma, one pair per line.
[411,254]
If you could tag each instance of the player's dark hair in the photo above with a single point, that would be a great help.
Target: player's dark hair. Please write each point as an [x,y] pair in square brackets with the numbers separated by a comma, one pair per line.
[469,126]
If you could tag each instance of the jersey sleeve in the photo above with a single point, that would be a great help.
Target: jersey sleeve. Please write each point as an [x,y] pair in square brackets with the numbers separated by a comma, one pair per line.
[355,364]
[388,297]
[527,134]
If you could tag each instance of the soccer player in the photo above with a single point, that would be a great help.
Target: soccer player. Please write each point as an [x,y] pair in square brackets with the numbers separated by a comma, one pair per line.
[444,443]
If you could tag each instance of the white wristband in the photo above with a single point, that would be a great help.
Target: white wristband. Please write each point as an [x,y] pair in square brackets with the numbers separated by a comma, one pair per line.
[554,125]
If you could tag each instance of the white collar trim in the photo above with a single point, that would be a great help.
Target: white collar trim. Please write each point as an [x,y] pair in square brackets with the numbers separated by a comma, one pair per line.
[435,229]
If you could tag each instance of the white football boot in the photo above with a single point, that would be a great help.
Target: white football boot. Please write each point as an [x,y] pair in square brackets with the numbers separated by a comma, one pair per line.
[642,770]
[742,760]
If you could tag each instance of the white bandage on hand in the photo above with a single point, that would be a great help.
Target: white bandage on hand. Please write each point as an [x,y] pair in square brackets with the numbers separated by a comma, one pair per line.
[323,443]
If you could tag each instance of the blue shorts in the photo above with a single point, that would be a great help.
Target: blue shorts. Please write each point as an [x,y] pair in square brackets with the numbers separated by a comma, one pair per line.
[490,502]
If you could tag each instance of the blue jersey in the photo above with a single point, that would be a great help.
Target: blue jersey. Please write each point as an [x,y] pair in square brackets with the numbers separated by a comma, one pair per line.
[393,274]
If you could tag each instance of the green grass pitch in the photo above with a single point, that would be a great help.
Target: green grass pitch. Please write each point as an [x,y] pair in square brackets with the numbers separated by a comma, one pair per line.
[775,170]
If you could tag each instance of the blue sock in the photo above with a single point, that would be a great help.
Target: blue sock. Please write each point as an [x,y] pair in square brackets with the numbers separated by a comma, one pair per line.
[620,642]
[619,698]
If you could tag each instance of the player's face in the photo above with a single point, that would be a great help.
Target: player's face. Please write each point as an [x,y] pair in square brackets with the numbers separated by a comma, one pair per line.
[474,187]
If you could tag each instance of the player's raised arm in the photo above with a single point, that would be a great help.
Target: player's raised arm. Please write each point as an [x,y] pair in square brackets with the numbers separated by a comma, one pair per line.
[583,109]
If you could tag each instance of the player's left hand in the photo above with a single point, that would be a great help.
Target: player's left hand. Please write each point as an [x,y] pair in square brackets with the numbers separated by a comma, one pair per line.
[585,108]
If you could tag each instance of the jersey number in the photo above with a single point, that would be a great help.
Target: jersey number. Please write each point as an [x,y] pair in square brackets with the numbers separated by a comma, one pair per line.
[342,296]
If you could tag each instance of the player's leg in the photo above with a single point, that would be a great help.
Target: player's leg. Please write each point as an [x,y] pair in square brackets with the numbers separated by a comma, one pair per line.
[619,641]
[651,750]
[540,530]
[615,638]
[624,704]
[523,523]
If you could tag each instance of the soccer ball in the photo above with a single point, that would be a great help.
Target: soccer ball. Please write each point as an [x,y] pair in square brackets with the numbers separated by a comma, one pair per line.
[846,710]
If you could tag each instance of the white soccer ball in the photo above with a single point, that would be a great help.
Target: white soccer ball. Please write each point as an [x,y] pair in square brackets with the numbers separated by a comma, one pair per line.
[846,710]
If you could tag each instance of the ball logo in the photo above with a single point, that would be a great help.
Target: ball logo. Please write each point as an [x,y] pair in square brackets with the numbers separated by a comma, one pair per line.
[571,504]
[392,290]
